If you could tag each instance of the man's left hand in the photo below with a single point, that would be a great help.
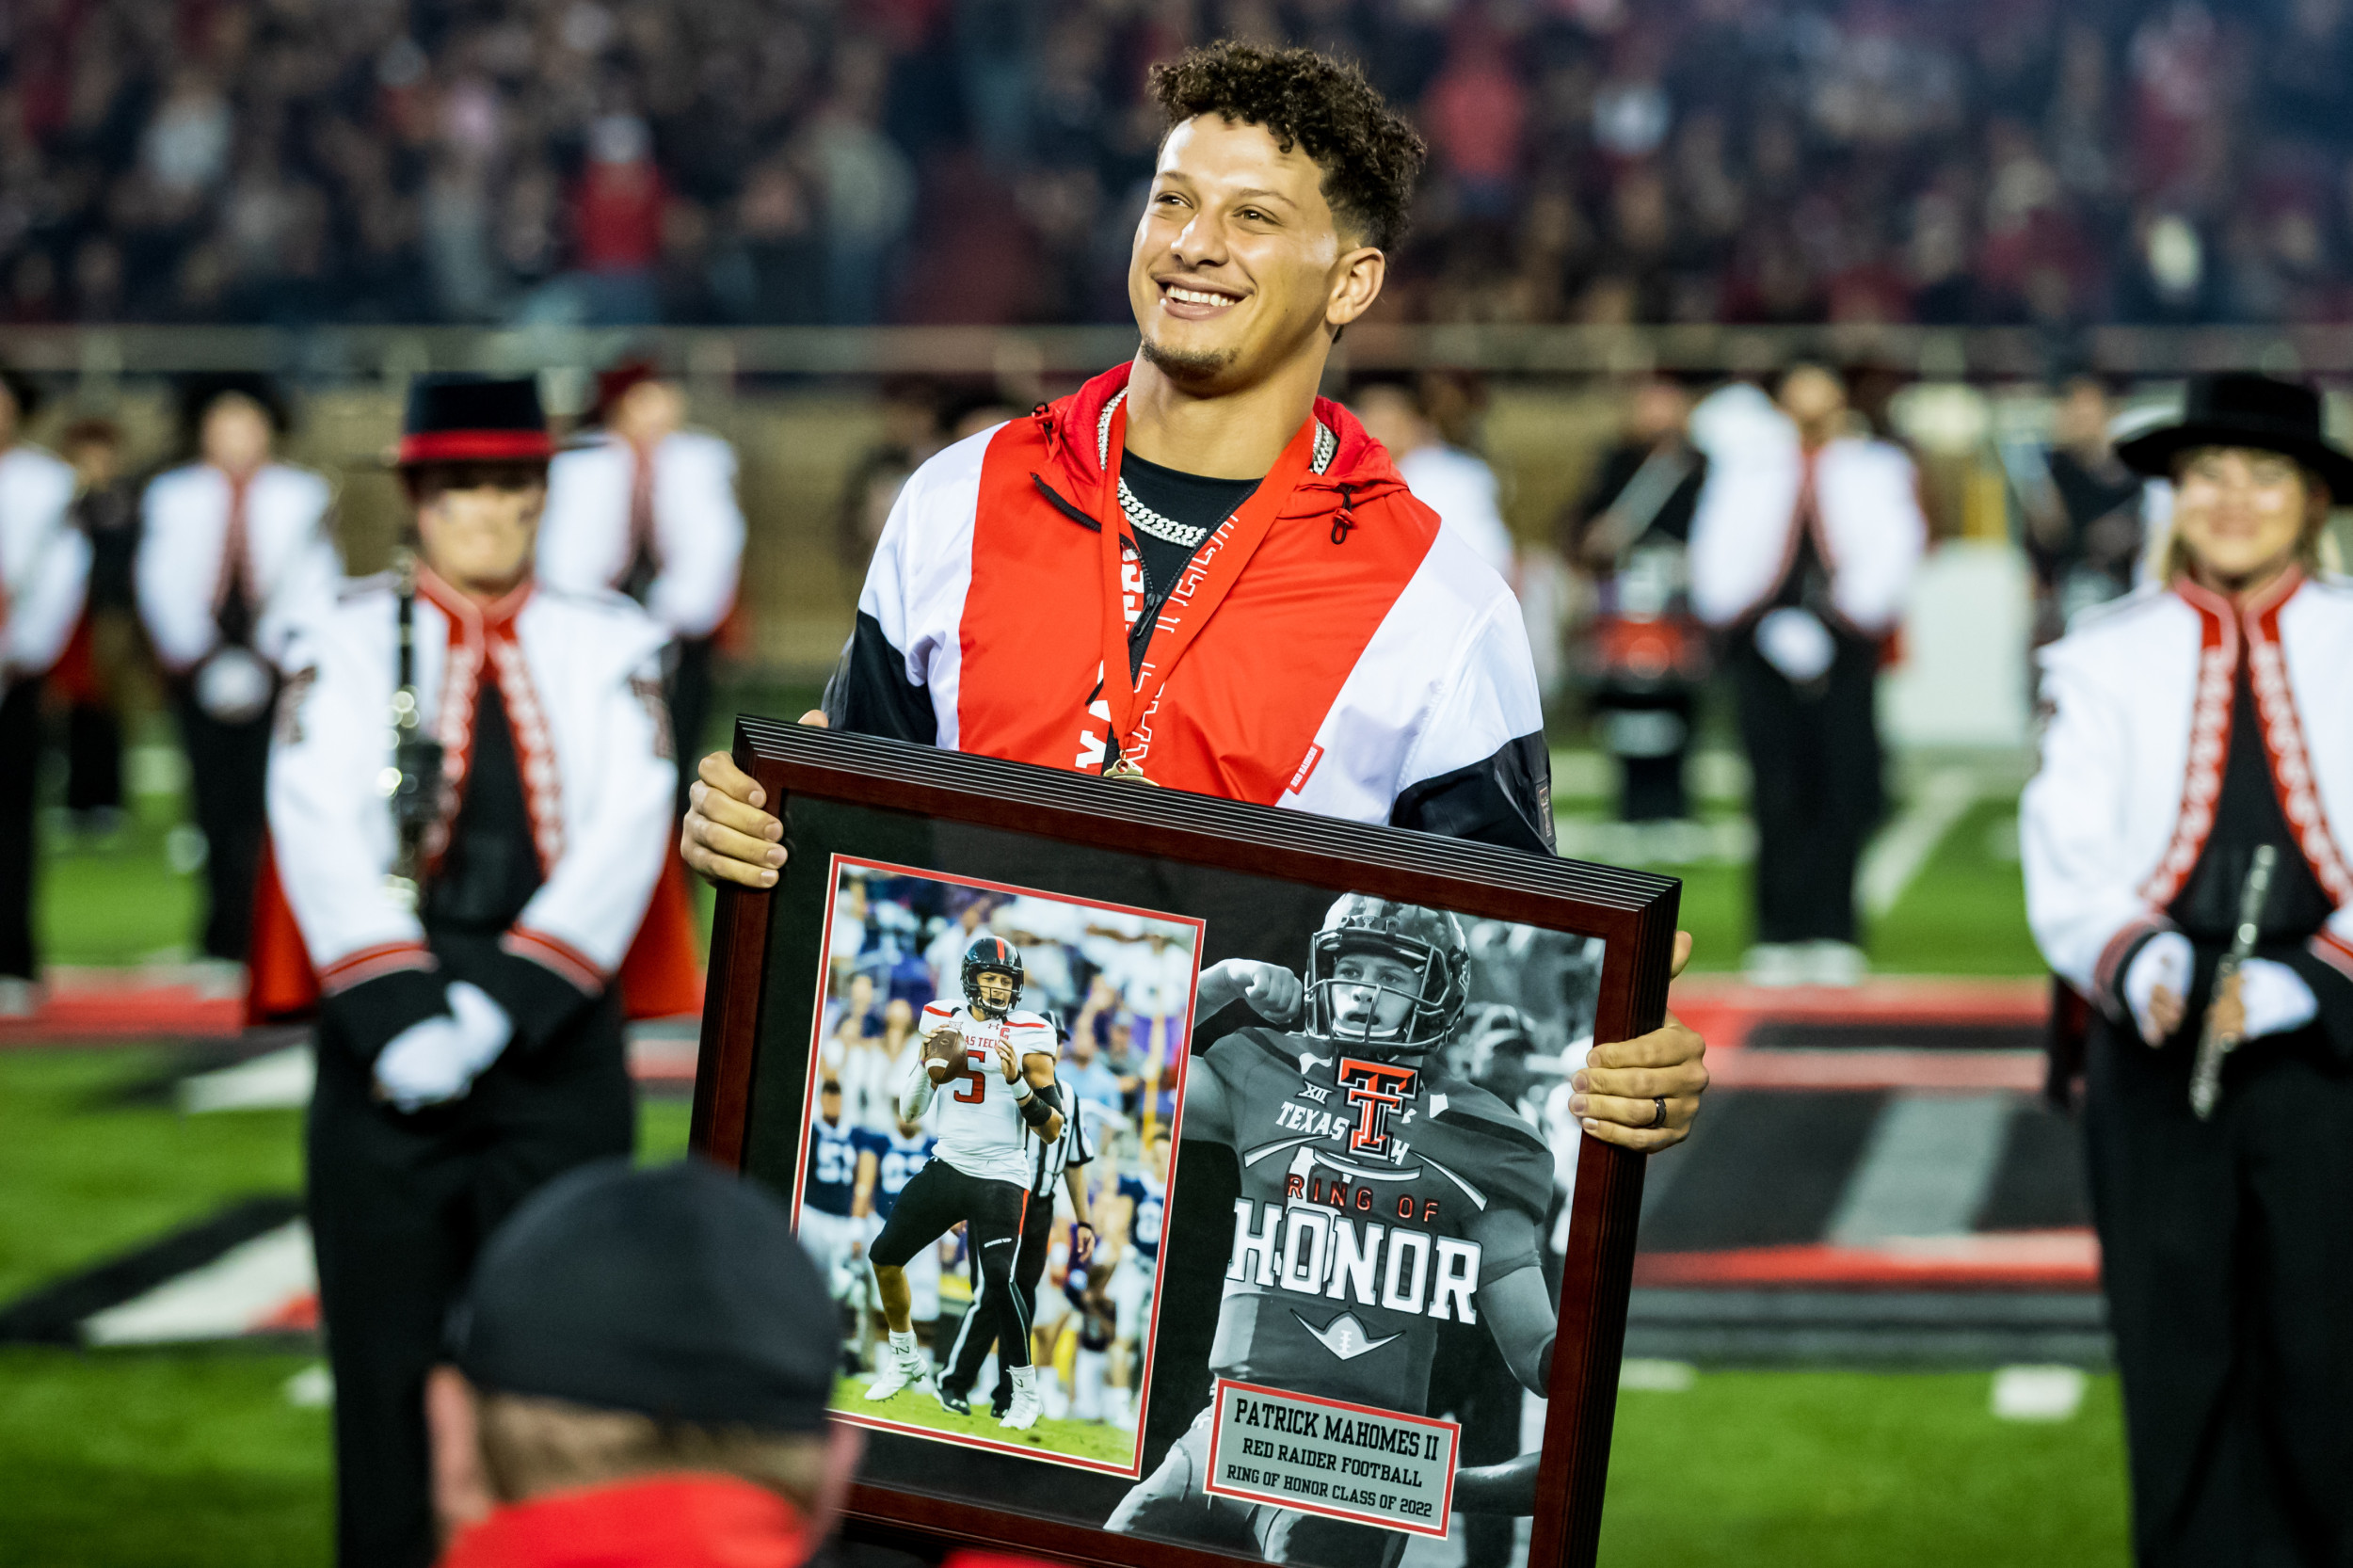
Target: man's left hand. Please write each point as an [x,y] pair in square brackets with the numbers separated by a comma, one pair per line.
[1008,1061]
[1616,1094]
[1081,1242]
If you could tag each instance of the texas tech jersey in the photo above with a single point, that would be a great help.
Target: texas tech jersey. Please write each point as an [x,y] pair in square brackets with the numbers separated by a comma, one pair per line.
[1362,1181]
[979,1120]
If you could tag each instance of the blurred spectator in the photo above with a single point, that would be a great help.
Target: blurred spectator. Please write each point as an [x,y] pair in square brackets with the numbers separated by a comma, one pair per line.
[647,507]
[1803,545]
[106,651]
[641,1367]
[2152,160]
[44,574]
[1453,482]
[1645,654]
[2082,508]
[235,547]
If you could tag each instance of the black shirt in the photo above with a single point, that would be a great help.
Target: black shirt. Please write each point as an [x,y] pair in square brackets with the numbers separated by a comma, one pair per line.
[2244,815]
[491,867]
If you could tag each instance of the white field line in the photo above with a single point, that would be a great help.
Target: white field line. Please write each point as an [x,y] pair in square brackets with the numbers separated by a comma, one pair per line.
[1903,847]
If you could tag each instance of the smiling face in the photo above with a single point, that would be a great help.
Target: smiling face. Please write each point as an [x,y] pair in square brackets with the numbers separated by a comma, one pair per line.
[2241,513]
[1239,267]
[1373,995]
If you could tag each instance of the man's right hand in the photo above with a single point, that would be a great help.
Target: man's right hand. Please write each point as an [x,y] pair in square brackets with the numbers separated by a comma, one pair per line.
[727,837]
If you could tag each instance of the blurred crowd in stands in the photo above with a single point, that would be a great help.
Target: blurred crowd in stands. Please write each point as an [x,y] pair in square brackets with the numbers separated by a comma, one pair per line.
[981,161]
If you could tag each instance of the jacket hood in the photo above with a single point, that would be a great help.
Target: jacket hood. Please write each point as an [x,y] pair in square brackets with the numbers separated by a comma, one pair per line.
[1073,428]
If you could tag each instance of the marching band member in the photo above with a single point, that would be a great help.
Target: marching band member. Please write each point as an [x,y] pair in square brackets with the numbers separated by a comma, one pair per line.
[647,506]
[1803,551]
[465,925]
[44,574]
[2197,729]
[236,546]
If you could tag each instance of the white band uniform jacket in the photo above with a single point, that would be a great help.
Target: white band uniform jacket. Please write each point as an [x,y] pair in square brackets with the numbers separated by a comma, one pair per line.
[44,562]
[2140,696]
[591,742]
[584,536]
[1744,535]
[291,567]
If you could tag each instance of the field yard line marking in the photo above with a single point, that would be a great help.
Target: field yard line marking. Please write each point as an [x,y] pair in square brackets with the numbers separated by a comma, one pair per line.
[1903,847]
[221,1299]
[1925,1168]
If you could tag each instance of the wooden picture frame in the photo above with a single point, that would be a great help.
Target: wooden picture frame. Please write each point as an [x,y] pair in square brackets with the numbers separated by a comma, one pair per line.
[956,818]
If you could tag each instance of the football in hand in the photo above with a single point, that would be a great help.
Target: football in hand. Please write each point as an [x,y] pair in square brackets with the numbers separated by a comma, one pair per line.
[942,1047]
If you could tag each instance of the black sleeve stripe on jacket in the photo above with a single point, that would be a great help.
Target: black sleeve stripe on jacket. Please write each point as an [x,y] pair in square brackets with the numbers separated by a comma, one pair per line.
[1505,799]
[870,693]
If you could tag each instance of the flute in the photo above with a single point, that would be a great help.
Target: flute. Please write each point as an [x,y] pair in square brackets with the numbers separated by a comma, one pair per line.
[2205,1080]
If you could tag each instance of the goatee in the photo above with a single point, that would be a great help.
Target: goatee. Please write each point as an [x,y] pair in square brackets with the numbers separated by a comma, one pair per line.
[1189,370]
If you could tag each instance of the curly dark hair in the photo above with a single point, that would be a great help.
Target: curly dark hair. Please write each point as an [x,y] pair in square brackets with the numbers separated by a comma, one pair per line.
[1370,156]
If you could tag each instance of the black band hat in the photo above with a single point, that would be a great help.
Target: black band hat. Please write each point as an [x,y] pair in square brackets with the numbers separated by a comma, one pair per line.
[474,419]
[2239,408]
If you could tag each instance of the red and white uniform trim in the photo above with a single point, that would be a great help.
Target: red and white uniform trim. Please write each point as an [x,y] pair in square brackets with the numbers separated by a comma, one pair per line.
[2139,699]
[586,544]
[366,963]
[291,565]
[1864,515]
[595,779]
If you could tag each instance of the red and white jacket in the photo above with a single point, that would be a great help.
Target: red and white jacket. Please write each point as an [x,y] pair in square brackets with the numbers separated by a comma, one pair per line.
[581,680]
[586,538]
[2139,693]
[44,562]
[1367,664]
[292,565]
[1870,530]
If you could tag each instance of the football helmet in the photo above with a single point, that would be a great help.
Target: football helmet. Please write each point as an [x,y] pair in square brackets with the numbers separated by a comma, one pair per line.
[1429,942]
[988,954]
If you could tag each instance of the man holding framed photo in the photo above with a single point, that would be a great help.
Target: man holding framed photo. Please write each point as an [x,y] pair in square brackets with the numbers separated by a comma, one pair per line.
[1294,629]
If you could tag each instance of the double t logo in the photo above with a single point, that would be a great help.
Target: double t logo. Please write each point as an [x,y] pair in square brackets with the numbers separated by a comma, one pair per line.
[1375,1088]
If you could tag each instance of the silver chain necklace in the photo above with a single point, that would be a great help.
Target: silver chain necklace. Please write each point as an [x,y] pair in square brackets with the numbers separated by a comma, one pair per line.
[1146,520]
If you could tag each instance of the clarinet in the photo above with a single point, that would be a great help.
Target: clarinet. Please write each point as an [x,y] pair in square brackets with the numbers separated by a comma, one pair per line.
[2205,1080]
[413,785]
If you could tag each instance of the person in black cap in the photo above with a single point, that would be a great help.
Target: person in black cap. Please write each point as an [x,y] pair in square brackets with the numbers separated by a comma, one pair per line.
[2199,729]
[639,1369]
[236,548]
[468,810]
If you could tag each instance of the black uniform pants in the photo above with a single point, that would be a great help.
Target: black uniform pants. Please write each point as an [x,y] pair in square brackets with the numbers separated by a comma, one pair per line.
[19,770]
[399,1208]
[993,1213]
[980,1327]
[2227,1253]
[227,765]
[1814,760]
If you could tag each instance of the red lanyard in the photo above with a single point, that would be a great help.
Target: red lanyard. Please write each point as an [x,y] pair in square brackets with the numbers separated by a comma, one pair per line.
[1187,607]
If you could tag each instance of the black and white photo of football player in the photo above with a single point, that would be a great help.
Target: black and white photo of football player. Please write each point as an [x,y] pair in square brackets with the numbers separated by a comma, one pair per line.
[1372,1071]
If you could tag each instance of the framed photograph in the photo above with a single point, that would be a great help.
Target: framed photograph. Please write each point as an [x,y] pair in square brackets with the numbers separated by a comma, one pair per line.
[1196,1179]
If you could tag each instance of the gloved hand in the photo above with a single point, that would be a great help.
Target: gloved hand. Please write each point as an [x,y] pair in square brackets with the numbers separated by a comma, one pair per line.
[2157,984]
[436,1060]
[2275,996]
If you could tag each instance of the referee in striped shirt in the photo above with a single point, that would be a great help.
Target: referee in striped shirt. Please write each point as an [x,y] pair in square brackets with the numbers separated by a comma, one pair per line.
[1059,1161]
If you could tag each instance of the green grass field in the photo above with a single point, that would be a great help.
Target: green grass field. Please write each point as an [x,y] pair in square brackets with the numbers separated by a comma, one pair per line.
[1079,1439]
[192,1459]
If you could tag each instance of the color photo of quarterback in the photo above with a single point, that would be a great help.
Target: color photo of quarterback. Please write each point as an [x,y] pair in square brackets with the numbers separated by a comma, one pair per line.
[972,1095]
[1388,1209]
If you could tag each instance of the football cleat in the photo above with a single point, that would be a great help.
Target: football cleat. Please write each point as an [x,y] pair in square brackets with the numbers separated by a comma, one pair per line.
[899,1372]
[1027,1408]
[951,1398]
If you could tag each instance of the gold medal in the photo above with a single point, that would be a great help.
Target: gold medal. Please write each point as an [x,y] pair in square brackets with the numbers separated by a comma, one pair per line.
[1128,771]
